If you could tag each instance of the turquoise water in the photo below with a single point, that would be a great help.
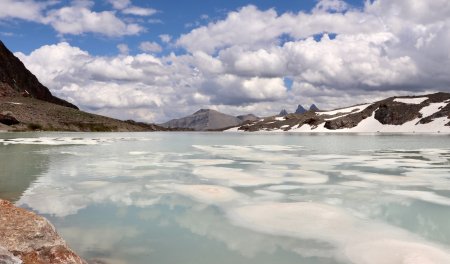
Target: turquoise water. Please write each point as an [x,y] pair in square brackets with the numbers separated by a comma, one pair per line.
[236,198]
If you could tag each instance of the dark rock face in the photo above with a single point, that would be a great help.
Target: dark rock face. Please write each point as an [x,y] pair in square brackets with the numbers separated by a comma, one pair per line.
[314,108]
[16,80]
[31,238]
[300,110]
[393,113]
[283,113]
[8,120]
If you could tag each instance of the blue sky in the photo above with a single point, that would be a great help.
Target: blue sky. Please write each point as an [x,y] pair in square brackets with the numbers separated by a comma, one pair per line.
[172,17]
[157,60]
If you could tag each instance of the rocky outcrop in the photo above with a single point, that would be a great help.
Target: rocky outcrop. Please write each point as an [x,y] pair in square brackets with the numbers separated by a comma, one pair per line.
[30,239]
[8,119]
[17,80]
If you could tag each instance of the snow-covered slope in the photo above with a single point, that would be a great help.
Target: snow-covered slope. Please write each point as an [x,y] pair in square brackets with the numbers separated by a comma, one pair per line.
[414,114]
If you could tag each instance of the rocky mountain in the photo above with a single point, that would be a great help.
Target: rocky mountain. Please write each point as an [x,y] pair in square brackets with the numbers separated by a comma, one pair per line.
[15,80]
[283,113]
[314,108]
[26,104]
[208,119]
[300,110]
[426,113]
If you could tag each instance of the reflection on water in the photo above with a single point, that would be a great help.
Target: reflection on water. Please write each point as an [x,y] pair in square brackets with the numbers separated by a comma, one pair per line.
[19,167]
[221,198]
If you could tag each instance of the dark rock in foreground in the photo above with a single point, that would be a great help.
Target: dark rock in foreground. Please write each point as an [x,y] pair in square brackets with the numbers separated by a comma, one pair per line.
[30,239]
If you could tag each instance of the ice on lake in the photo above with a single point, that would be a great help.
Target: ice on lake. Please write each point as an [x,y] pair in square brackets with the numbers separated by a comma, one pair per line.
[237,198]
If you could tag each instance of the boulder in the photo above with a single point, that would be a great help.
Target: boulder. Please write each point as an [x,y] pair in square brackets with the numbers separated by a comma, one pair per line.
[8,120]
[31,239]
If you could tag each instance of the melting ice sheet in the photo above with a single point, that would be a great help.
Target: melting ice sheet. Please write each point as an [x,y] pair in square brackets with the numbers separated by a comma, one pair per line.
[219,198]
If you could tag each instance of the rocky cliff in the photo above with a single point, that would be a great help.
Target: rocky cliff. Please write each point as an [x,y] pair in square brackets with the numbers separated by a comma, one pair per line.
[30,239]
[16,79]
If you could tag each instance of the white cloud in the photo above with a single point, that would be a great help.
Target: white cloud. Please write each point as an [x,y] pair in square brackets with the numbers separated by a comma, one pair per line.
[139,11]
[22,9]
[123,49]
[126,7]
[77,20]
[330,5]
[166,38]
[336,55]
[148,46]
[120,4]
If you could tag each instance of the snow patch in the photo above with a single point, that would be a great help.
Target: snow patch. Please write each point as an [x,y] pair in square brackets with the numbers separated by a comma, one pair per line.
[431,109]
[417,100]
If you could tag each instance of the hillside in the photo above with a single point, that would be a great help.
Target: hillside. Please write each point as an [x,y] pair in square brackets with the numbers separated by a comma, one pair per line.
[26,105]
[422,114]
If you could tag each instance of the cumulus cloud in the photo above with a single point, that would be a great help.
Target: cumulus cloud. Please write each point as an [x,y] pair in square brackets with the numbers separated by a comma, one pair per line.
[22,9]
[148,46]
[76,18]
[123,49]
[80,19]
[166,38]
[126,7]
[335,55]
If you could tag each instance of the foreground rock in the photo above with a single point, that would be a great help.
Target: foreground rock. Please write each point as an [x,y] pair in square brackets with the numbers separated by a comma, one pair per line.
[30,239]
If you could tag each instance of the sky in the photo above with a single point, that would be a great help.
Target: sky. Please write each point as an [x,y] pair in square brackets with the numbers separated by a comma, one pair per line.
[161,59]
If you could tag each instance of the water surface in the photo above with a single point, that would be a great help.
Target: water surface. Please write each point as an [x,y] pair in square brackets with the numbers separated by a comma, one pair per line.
[236,198]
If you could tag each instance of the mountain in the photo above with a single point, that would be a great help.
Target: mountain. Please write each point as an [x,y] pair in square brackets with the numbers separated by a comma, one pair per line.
[15,80]
[26,104]
[426,113]
[283,113]
[300,110]
[208,119]
[248,117]
[314,108]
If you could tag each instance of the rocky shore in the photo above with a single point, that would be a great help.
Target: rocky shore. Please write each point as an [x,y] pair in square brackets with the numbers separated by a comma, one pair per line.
[26,238]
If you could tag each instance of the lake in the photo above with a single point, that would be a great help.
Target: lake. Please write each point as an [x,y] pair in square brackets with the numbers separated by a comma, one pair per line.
[199,198]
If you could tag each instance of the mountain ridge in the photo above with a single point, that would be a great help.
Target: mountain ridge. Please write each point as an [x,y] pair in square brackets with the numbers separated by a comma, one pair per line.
[428,113]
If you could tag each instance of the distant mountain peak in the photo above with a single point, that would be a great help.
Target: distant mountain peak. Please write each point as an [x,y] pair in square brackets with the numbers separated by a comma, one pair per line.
[283,113]
[300,110]
[314,108]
